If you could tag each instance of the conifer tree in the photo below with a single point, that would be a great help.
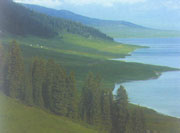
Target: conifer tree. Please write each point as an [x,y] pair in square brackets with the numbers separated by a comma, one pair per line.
[59,101]
[14,72]
[1,66]
[138,121]
[48,83]
[105,104]
[96,108]
[86,100]
[38,73]
[28,90]
[120,111]
[71,96]
[90,101]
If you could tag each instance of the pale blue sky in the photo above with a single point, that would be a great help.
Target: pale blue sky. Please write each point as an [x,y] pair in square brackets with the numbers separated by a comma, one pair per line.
[163,14]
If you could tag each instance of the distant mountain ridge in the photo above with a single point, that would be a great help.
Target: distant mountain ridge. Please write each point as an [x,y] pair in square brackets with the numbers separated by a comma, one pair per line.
[116,29]
[19,20]
[79,18]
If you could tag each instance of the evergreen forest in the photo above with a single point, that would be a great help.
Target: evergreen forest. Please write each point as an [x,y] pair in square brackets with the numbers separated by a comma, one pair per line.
[47,85]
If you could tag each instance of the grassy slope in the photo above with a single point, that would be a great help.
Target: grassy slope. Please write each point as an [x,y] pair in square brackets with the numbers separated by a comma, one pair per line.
[77,45]
[117,31]
[18,118]
[29,119]
[111,71]
[159,122]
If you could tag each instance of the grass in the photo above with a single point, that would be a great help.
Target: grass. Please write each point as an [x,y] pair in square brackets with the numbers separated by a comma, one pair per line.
[159,122]
[77,45]
[111,71]
[104,46]
[18,118]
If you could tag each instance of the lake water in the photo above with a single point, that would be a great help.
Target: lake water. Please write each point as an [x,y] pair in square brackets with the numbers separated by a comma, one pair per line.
[162,94]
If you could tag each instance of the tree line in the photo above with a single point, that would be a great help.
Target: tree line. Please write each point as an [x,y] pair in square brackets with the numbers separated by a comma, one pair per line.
[46,84]
[19,20]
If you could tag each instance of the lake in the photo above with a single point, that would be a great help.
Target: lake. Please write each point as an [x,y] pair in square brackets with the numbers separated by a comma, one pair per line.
[162,94]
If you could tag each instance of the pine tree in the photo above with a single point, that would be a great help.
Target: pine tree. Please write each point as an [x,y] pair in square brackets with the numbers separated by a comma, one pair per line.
[28,92]
[96,108]
[14,72]
[138,121]
[71,96]
[48,84]
[38,73]
[86,100]
[120,111]
[59,101]
[1,66]
[105,104]
[90,101]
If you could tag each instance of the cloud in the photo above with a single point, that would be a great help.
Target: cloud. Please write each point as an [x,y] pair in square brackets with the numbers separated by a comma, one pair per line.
[47,3]
[102,2]
[55,3]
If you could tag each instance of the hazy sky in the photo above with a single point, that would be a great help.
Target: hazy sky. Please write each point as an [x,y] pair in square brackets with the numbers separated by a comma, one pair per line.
[163,14]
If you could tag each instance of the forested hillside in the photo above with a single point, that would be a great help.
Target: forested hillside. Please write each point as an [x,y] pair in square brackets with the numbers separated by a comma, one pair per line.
[79,18]
[46,84]
[113,28]
[58,77]
[16,19]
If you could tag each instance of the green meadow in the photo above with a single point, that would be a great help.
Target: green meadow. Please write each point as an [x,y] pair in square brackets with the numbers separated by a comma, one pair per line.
[25,119]
[39,97]
[76,45]
[15,117]
[82,55]
[158,122]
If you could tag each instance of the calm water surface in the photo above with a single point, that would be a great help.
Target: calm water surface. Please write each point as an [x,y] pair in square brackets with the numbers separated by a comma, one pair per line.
[162,94]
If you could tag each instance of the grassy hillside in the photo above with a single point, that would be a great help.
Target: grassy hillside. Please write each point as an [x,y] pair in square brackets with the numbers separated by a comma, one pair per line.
[77,45]
[23,119]
[158,122]
[74,56]
[18,118]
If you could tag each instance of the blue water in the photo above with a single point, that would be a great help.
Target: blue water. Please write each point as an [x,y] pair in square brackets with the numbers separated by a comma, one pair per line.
[162,94]
[162,51]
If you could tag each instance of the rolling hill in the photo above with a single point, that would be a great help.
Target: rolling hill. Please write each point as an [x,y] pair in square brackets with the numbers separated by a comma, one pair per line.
[66,36]
[27,119]
[18,20]
[81,52]
[74,50]
[79,18]
[19,118]
[116,29]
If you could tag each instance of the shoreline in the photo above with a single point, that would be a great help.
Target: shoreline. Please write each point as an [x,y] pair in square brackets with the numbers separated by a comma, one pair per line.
[144,104]
[158,75]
